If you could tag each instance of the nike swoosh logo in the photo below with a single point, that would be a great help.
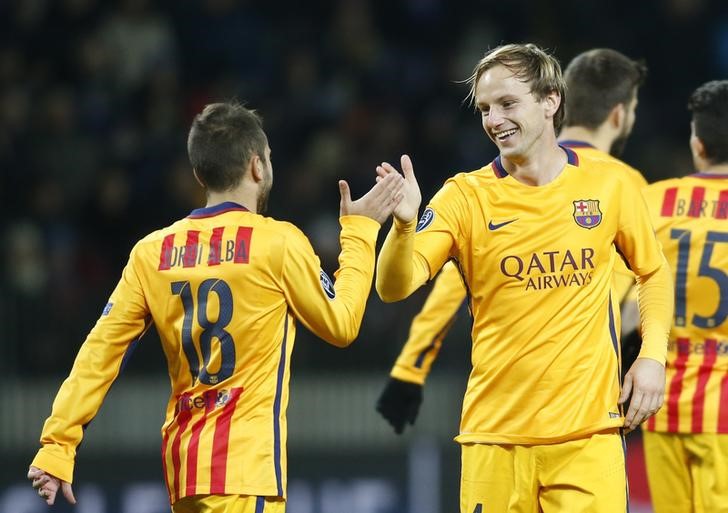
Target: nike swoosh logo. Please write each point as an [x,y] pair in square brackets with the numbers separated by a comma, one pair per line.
[492,226]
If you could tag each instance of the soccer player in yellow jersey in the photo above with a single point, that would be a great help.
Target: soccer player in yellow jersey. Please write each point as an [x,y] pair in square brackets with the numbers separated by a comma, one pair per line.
[535,237]
[686,443]
[602,85]
[224,288]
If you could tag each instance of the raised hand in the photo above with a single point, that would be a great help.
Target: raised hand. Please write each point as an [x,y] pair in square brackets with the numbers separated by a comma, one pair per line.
[48,485]
[378,203]
[409,207]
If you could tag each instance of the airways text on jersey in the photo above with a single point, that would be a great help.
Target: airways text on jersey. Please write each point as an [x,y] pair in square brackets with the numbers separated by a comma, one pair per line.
[550,269]
[193,253]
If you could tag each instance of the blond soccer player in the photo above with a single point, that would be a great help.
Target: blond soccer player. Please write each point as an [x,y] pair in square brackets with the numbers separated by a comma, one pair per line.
[603,85]
[535,237]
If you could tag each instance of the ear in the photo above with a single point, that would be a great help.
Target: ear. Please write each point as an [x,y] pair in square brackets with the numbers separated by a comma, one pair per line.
[697,147]
[616,116]
[199,180]
[552,101]
[256,168]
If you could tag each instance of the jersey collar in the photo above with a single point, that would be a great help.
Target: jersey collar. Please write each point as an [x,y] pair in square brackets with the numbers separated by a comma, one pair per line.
[709,175]
[575,143]
[571,158]
[221,208]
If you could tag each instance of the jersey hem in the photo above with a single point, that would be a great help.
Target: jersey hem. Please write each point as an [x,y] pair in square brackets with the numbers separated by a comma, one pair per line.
[507,439]
[259,491]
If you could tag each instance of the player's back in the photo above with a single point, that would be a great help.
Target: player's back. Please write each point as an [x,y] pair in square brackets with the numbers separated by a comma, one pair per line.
[690,216]
[214,287]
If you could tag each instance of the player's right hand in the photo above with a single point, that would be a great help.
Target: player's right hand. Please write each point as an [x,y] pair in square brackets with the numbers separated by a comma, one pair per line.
[48,485]
[400,403]
[408,208]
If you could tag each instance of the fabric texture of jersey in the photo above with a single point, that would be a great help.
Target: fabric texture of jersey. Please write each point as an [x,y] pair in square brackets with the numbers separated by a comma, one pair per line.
[623,280]
[224,288]
[431,325]
[690,215]
[537,263]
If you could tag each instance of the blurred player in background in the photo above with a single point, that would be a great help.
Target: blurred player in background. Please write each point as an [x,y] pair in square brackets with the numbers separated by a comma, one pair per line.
[224,288]
[686,443]
[602,86]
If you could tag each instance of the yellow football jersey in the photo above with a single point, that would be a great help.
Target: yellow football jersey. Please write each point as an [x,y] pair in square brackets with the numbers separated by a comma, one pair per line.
[690,215]
[431,325]
[224,288]
[537,263]
[623,280]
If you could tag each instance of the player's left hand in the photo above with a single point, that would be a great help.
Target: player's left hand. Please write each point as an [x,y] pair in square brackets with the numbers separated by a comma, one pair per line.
[645,382]
[48,485]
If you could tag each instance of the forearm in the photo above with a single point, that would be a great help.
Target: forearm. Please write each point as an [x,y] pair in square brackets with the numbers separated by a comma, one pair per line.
[353,279]
[656,301]
[397,275]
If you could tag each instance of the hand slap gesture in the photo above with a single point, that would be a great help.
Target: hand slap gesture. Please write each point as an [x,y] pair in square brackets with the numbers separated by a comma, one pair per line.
[378,203]
[408,208]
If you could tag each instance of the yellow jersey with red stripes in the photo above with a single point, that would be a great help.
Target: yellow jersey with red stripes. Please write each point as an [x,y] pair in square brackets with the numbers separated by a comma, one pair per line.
[690,215]
[224,288]
[431,325]
[538,265]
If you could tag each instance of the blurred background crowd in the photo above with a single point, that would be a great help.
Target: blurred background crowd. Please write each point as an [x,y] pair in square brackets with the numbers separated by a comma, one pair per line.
[96,98]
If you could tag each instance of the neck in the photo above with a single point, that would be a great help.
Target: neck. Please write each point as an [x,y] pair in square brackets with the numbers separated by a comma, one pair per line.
[540,168]
[239,195]
[596,138]
[715,169]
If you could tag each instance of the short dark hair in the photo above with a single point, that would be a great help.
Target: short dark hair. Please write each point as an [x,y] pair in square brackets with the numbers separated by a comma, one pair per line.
[598,80]
[531,65]
[222,140]
[709,105]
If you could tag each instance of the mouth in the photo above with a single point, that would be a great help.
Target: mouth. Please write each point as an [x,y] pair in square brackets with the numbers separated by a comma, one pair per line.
[505,134]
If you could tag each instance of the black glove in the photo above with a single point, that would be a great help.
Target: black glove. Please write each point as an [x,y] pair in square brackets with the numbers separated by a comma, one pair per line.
[399,403]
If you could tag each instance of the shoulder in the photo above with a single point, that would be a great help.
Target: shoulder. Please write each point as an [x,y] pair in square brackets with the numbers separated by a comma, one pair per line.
[658,188]
[481,177]
[605,168]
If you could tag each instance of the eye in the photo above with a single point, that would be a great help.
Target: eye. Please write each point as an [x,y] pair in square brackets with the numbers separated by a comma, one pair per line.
[508,103]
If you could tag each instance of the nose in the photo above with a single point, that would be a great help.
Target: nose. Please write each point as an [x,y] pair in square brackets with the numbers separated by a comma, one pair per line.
[492,118]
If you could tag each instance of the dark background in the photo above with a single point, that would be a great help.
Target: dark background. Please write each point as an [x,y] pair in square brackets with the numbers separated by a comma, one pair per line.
[96,98]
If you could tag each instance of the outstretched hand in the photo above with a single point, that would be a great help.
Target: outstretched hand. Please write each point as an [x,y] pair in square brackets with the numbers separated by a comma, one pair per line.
[48,485]
[378,203]
[408,208]
[645,382]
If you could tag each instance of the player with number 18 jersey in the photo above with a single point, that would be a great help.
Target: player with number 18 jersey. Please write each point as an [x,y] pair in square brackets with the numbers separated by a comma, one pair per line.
[224,288]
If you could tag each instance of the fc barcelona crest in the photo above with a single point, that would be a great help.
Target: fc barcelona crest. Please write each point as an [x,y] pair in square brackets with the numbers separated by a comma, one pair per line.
[587,213]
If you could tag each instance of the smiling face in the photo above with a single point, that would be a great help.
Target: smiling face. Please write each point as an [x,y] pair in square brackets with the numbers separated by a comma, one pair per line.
[514,119]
